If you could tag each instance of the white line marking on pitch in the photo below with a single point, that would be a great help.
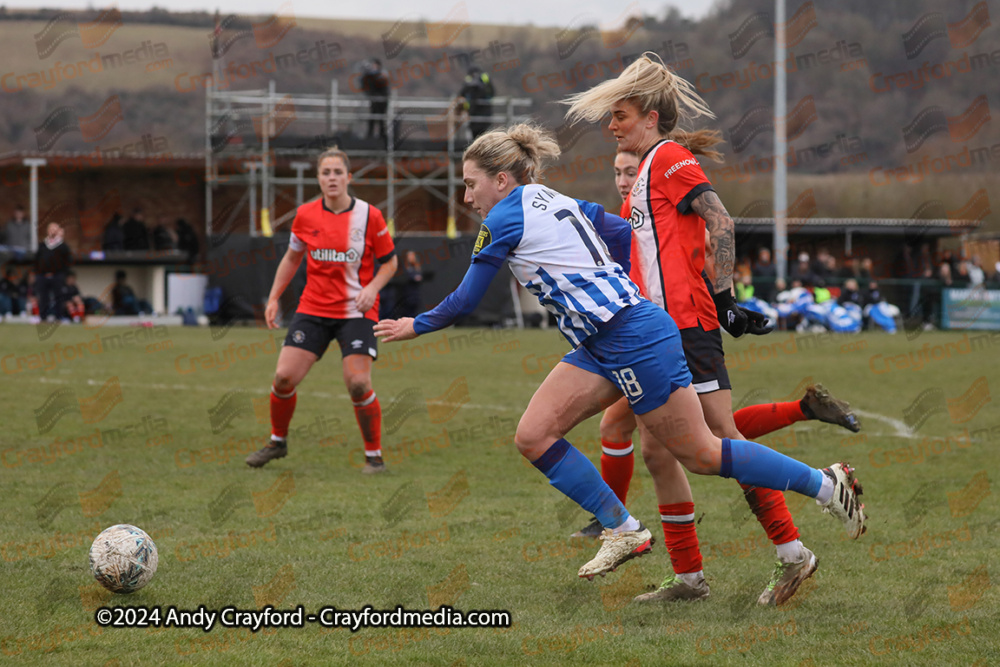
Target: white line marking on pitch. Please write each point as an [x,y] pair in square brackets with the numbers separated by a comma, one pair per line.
[320,394]
[902,430]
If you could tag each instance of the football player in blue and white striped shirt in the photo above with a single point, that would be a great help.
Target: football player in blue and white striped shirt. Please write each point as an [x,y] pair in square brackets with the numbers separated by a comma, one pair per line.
[574,258]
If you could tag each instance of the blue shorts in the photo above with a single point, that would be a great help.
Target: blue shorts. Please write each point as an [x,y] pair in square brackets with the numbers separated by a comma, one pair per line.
[641,353]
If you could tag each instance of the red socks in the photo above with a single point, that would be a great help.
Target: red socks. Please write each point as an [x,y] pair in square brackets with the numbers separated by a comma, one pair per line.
[771,511]
[680,537]
[282,409]
[368,412]
[617,464]
[754,421]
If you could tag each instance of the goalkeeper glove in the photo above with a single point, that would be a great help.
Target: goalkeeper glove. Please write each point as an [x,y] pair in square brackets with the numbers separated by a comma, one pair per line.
[738,321]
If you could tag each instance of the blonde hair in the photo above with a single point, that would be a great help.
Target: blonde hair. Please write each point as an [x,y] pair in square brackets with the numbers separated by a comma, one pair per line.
[650,86]
[333,151]
[518,150]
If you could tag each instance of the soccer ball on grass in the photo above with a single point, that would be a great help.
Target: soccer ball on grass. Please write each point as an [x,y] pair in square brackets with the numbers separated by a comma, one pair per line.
[123,558]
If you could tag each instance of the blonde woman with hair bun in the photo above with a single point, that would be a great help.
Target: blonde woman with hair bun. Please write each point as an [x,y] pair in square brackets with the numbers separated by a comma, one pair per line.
[574,257]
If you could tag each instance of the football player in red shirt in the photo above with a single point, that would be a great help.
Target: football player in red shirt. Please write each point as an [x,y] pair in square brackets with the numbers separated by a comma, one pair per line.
[342,237]
[671,205]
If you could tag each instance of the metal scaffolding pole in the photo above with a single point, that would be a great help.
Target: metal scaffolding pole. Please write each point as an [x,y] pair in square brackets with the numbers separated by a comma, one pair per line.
[780,168]
[417,156]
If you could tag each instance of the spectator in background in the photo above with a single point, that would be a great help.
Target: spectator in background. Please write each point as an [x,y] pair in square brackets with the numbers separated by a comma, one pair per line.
[802,272]
[765,273]
[164,237]
[375,84]
[867,271]
[17,235]
[744,286]
[136,234]
[850,269]
[187,239]
[873,294]
[477,91]
[850,293]
[52,262]
[975,270]
[944,274]
[70,302]
[26,295]
[10,302]
[410,297]
[123,299]
[821,293]
[114,236]
[960,274]
[820,266]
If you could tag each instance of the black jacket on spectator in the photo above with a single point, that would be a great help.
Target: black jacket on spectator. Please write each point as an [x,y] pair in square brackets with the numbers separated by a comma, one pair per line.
[53,260]
[136,235]
[187,239]
[114,236]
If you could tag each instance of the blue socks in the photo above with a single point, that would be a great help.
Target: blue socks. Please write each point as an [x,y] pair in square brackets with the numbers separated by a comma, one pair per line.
[757,465]
[572,473]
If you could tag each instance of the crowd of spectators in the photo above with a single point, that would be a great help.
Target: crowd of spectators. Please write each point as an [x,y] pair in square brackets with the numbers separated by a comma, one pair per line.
[42,285]
[917,272]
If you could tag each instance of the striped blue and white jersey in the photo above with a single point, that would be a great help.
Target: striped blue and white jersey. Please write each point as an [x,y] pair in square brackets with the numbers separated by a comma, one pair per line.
[555,251]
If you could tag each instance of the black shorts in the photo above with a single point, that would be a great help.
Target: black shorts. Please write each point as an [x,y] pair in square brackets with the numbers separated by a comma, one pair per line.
[705,358]
[312,333]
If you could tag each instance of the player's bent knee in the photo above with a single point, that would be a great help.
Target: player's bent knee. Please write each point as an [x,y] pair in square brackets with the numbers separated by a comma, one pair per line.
[358,387]
[532,442]
[283,383]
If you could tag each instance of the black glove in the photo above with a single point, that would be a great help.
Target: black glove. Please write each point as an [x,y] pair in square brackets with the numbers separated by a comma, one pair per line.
[738,321]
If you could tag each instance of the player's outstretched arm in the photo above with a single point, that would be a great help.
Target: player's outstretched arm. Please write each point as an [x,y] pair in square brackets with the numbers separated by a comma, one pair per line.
[286,271]
[456,305]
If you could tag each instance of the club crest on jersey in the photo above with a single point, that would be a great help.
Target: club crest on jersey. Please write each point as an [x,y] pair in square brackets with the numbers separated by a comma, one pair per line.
[356,234]
[482,240]
[638,186]
[330,255]
[636,218]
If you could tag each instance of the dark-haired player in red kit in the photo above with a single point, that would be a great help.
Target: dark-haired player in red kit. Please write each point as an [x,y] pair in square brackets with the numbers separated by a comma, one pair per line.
[342,236]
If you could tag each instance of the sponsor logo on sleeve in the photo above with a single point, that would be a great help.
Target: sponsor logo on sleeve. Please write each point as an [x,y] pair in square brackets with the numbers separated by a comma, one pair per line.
[483,240]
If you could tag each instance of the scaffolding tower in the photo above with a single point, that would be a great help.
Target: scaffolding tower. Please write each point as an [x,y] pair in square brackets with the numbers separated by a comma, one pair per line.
[253,134]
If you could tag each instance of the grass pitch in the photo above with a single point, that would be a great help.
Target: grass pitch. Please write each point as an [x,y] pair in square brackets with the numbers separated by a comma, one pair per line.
[150,427]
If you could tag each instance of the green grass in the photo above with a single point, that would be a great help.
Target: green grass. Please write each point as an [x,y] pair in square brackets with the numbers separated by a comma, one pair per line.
[505,544]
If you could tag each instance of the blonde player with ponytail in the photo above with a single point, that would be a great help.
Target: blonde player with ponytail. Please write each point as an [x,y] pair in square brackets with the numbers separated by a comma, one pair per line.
[574,258]
[671,207]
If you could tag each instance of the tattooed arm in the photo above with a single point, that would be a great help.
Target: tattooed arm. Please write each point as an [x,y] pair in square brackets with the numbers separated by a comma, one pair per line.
[722,236]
